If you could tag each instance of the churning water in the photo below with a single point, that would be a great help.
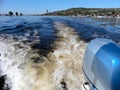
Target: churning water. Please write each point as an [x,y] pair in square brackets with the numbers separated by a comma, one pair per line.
[46,53]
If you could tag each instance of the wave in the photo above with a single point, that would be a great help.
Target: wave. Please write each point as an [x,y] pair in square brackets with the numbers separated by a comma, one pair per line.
[46,53]
[25,68]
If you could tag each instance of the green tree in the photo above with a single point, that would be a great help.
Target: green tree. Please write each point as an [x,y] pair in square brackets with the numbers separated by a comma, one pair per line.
[11,13]
[16,13]
[21,14]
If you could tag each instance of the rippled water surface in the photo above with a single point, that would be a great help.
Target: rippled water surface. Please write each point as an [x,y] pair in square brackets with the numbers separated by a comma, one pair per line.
[46,53]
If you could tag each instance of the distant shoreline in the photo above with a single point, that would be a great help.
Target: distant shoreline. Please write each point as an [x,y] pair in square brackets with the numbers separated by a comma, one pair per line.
[89,12]
[79,12]
[66,16]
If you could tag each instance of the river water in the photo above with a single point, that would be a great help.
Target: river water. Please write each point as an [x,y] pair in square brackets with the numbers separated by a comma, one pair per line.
[46,53]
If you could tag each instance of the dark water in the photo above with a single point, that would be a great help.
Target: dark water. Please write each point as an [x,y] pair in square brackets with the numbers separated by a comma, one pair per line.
[91,28]
[87,28]
[40,33]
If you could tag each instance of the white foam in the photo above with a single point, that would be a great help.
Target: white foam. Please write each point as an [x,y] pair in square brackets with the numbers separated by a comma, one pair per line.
[61,69]
[69,55]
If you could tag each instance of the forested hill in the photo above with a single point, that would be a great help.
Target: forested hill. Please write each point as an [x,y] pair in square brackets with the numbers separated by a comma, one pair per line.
[87,11]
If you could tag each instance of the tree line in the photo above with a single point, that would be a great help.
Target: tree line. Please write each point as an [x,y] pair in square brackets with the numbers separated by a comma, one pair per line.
[10,13]
[15,14]
[88,12]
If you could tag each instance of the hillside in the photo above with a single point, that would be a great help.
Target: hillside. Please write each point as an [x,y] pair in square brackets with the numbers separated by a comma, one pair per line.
[87,12]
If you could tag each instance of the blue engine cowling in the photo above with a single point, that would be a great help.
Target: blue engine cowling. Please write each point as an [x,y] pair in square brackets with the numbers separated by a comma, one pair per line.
[101,64]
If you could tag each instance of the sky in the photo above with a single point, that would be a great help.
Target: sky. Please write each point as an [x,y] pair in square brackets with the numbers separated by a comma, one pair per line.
[40,6]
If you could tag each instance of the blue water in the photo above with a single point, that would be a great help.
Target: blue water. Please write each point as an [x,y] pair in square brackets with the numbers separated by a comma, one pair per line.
[87,28]
[41,34]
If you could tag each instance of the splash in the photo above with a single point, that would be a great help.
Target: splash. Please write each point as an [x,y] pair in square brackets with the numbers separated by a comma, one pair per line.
[26,69]
[69,55]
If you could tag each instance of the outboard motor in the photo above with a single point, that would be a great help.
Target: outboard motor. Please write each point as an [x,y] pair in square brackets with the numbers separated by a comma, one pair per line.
[101,65]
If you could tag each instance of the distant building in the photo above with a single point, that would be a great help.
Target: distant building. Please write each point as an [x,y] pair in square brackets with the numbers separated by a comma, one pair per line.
[47,11]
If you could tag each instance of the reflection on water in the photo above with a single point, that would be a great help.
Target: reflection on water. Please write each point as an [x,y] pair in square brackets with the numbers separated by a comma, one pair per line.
[109,23]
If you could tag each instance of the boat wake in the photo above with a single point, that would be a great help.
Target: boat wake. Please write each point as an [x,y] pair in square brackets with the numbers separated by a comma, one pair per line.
[25,68]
